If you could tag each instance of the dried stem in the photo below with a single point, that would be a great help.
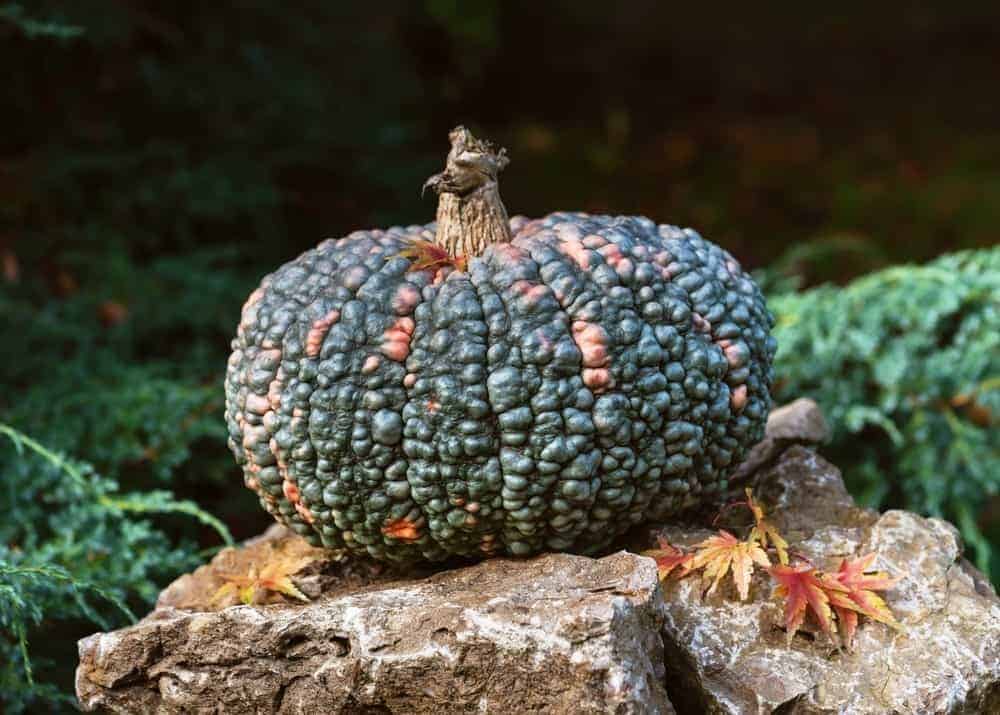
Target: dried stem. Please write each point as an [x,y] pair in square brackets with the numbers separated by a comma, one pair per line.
[470,214]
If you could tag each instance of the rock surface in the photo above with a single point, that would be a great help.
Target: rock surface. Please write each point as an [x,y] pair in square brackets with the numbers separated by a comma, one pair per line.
[567,634]
[557,633]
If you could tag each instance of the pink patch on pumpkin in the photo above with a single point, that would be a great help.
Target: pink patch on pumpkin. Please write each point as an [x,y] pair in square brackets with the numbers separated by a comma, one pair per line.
[576,251]
[433,405]
[396,340]
[274,392]
[594,241]
[304,512]
[625,268]
[612,254]
[257,404]
[738,398]
[406,299]
[409,379]
[597,379]
[318,331]
[371,364]
[592,341]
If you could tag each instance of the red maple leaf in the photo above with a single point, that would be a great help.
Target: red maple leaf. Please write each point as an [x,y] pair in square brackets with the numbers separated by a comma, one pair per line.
[428,256]
[805,590]
[668,557]
[860,596]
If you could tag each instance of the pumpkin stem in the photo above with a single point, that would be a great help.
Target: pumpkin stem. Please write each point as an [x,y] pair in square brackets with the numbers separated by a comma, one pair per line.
[470,214]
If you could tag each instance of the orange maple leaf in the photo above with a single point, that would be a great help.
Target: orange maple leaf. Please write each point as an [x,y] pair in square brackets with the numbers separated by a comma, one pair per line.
[804,588]
[764,532]
[427,255]
[718,553]
[275,576]
[668,557]
[860,596]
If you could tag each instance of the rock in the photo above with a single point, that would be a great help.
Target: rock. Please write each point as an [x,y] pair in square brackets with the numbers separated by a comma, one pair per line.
[567,634]
[558,633]
[798,422]
[723,656]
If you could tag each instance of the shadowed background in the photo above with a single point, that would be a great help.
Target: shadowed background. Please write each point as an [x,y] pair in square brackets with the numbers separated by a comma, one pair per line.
[156,159]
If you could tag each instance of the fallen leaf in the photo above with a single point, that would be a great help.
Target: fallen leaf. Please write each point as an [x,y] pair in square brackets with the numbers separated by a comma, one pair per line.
[427,255]
[860,596]
[764,532]
[668,557]
[805,590]
[274,577]
[718,553]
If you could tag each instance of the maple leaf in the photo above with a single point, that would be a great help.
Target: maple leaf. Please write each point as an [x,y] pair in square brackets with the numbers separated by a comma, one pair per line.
[718,553]
[860,596]
[764,532]
[805,589]
[428,256]
[668,557]
[275,576]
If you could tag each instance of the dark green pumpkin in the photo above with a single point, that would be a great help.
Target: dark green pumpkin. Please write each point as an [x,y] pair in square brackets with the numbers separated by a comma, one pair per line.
[589,374]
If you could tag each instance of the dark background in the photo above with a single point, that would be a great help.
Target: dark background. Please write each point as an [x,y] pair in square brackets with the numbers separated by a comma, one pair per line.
[157,158]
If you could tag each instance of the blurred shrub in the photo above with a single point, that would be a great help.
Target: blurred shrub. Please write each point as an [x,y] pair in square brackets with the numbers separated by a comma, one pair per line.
[906,364]
[73,548]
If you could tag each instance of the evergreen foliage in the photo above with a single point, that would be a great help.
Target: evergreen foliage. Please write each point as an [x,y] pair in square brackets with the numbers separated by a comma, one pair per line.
[906,365]
[74,547]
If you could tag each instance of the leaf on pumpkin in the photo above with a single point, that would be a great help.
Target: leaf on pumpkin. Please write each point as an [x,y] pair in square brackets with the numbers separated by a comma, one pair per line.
[805,589]
[668,557]
[860,596]
[764,532]
[274,577]
[718,553]
[427,255]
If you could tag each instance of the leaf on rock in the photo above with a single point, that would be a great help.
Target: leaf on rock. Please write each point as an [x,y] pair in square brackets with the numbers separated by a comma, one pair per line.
[668,557]
[860,596]
[428,256]
[805,589]
[274,577]
[719,553]
[764,532]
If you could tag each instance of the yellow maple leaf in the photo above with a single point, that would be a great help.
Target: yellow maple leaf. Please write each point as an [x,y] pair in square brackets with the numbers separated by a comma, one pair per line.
[275,577]
[723,552]
[764,532]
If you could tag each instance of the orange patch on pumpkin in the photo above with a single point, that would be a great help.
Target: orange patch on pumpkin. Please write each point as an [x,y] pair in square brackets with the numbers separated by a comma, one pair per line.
[318,331]
[592,340]
[406,298]
[597,379]
[402,529]
[738,398]
[396,340]
[576,251]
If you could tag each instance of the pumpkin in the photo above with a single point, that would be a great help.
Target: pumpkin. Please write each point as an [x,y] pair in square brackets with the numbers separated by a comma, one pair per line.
[484,385]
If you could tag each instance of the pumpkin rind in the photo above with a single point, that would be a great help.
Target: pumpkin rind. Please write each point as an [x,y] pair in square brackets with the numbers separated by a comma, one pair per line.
[594,373]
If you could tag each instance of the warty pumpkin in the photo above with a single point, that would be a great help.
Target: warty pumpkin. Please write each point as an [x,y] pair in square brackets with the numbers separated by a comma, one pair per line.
[485,385]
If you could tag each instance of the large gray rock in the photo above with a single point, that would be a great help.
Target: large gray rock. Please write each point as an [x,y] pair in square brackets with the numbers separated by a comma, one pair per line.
[568,634]
[555,634]
[723,656]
